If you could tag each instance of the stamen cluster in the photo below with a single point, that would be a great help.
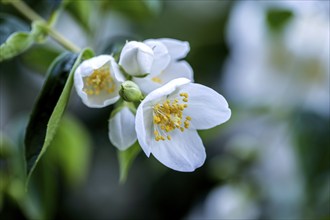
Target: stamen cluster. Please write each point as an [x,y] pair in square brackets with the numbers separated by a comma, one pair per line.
[168,116]
[100,80]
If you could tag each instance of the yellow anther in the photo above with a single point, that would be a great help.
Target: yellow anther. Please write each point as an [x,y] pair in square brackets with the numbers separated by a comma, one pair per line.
[181,129]
[185,99]
[186,124]
[156,80]
[169,137]
[184,94]
[188,118]
[157,119]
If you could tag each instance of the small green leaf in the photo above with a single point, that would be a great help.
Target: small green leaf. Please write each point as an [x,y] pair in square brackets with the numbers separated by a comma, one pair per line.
[50,107]
[126,159]
[16,44]
[39,31]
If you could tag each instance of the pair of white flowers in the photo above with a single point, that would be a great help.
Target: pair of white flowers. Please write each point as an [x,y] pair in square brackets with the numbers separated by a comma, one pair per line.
[166,119]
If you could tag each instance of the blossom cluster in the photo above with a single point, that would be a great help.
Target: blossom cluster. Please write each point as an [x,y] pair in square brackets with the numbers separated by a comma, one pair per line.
[157,102]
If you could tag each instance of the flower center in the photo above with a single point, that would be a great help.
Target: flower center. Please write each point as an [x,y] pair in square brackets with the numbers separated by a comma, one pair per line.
[100,80]
[168,116]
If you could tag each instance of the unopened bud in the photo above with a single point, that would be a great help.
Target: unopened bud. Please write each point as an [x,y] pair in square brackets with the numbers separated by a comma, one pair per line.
[130,92]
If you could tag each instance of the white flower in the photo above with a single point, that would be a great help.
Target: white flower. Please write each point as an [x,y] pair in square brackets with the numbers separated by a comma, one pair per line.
[97,81]
[164,65]
[121,128]
[136,58]
[167,119]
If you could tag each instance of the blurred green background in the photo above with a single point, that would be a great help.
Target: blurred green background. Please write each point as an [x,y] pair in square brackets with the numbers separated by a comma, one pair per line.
[271,160]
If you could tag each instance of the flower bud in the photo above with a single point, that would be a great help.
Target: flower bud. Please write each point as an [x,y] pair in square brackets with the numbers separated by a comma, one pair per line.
[136,58]
[130,92]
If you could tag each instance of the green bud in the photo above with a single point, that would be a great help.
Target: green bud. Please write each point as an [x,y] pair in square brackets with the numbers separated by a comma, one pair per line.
[39,31]
[130,92]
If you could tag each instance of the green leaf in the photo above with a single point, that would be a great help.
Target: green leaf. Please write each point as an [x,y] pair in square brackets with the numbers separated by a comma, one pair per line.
[126,159]
[70,149]
[50,107]
[16,44]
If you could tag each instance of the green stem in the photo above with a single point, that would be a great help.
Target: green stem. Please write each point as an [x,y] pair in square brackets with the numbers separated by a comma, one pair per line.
[33,16]
[63,41]
[25,10]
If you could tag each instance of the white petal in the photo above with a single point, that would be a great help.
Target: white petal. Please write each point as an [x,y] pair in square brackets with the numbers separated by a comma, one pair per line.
[136,58]
[175,70]
[146,84]
[115,70]
[94,63]
[166,89]
[206,107]
[161,56]
[184,152]
[85,69]
[177,49]
[144,126]
[122,129]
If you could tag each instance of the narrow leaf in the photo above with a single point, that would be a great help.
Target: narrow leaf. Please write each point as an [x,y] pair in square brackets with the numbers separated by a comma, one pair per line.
[126,159]
[50,107]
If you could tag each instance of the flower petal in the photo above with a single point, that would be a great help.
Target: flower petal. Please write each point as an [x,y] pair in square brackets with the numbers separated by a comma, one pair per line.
[206,107]
[136,58]
[177,70]
[166,89]
[93,64]
[174,70]
[177,49]
[122,129]
[144,127]
[161,56]
[184,152]
[146,84]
